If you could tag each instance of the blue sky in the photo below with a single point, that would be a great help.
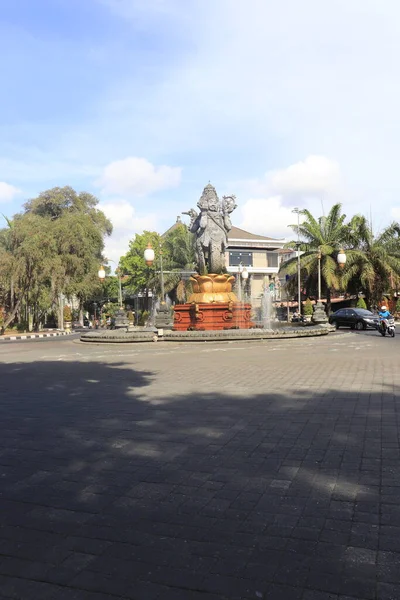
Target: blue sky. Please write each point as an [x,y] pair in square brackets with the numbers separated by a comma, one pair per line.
[141,102]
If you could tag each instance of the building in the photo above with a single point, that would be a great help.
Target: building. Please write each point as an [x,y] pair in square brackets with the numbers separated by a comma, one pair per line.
[261,256]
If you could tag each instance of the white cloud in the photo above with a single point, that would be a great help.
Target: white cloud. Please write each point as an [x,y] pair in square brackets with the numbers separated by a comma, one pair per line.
[310,177]
[306,184]
[313,177]
[396,213]
[134,176]
[126,222]
[267,216]
[7,192]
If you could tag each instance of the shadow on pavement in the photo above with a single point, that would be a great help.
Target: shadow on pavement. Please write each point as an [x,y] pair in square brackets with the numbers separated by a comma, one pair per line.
[109,492]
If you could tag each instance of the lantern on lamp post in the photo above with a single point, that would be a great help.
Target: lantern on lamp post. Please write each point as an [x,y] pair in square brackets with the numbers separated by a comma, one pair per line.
[341,258]
[101,273]
[149,255]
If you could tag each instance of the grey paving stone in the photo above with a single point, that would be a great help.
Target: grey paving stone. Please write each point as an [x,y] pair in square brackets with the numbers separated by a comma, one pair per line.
[209,472]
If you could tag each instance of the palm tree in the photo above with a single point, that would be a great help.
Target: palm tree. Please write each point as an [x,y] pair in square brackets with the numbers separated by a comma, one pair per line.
[373,262]
[319,237]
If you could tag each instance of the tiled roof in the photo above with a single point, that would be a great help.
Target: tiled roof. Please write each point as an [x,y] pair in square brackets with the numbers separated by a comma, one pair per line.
[240,234]
[178,223]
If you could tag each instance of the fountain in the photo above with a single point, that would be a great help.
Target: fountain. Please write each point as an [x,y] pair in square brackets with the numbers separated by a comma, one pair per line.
[213,305]
[213,311]
[267,311]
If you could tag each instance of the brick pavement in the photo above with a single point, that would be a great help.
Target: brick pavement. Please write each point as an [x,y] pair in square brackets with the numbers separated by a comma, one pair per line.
[232,471]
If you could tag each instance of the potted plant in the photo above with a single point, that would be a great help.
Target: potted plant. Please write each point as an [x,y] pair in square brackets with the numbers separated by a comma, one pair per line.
[308,310]
[67,318]
[131,317]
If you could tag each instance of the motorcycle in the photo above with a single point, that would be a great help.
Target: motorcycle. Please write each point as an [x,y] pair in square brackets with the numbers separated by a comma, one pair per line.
[387,326]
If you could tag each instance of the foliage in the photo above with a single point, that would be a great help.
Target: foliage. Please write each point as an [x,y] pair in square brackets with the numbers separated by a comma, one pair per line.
[319,237]
[67,313]
[361,303]
[398,306]
[373,262]
[110,309]
[133,264]
[308,308]
[143,318]
[130,316]
[177,255]
[53,246]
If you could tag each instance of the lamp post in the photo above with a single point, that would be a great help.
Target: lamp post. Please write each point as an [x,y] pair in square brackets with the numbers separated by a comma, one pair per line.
[102,276]
[121,318]
[118,272]
[149,258]
[297,211]
[243,274]
[319,273]
[163,316]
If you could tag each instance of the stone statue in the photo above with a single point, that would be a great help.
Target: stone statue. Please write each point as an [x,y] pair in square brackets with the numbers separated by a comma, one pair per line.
[211,227]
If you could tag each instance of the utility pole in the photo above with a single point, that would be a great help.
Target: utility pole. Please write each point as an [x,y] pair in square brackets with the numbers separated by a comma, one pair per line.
[162,275]
[297,211]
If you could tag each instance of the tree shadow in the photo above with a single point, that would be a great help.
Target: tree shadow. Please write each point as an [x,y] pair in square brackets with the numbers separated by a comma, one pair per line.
[106,488]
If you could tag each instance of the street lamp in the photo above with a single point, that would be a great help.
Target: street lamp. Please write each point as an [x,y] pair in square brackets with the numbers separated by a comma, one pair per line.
[319,273]
[102,274]
[341,258]
[297,211]
[243,274]
[149,256]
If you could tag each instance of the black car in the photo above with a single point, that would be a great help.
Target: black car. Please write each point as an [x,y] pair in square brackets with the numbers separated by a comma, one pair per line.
[355,318]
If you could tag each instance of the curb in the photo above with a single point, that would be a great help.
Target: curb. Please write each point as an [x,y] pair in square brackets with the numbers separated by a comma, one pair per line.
[31,336]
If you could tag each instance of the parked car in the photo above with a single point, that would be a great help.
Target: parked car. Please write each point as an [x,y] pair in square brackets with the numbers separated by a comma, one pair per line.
[355,318]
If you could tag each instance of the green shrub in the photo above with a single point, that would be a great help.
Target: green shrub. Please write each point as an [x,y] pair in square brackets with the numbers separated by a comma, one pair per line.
[144,315]
[130,316]
[361,303]
[308,308]
[398,305]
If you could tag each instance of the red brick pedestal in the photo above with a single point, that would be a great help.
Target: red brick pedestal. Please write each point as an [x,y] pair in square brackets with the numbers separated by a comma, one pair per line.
[212,316]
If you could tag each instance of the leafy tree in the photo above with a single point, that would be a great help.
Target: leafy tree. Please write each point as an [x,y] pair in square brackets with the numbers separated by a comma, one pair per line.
[323,236]
[140,277]
[178,255]
[55,245]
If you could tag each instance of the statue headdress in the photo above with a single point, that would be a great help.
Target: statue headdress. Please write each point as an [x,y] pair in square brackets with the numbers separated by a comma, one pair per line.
[209,193]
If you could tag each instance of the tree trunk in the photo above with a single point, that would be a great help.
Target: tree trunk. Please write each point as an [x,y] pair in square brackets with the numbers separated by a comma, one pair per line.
[81,312]
[12,294]
[11,316]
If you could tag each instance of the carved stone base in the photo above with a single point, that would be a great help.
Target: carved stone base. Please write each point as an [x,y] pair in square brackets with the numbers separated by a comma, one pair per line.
[212,317]
[163,318]
[319,316]
[121,319]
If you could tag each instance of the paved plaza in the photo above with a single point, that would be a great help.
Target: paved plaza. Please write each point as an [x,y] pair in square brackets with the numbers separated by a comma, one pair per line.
[265,470]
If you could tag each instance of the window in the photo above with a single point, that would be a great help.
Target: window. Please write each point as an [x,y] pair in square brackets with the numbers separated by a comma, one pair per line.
[272,259]
[235,258]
